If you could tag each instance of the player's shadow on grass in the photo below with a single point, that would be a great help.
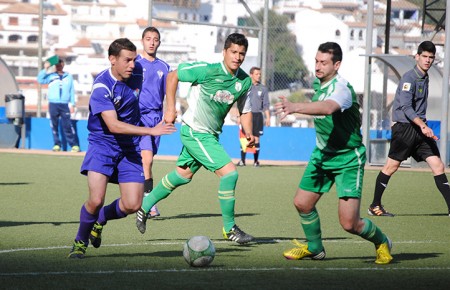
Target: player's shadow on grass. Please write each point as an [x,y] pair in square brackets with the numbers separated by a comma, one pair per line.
[423,214]
[169,254]
[200,215]
[14,183]
[4,224]
[275,240]
[398,258]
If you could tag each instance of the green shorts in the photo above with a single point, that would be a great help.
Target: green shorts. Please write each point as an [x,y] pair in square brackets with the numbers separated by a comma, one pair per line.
[346,169]
[201,149]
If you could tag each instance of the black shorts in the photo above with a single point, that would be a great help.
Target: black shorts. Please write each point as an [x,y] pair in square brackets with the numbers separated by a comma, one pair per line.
[258,124]
[408,141]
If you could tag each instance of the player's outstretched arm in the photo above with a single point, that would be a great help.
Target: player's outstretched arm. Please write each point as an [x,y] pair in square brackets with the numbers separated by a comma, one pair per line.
[118,127]
[170,114]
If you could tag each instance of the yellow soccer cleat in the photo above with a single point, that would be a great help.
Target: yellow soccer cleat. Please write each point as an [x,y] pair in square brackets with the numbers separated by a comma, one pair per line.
[301,251]
[384,253]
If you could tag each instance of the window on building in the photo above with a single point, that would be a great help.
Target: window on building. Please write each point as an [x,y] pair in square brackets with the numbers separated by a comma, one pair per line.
[352,34]
[204,18]
[360,35]
[13,21]
[121,29]
[74,11]
[35,22]
[32,39]
[14,38]
[55,21]
[337,33]
[112,12]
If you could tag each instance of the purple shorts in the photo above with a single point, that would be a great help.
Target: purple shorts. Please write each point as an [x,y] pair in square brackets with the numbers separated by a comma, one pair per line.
[151,142]
[119,164]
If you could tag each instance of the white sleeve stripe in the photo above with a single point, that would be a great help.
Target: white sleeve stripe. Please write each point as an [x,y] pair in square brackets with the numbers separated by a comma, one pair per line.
[194,66]
[100,85]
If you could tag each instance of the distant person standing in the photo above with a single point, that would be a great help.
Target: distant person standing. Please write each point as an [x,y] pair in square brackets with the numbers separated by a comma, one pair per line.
[259,98]
[113,154]
[61,98]
[411,135]
[151,102]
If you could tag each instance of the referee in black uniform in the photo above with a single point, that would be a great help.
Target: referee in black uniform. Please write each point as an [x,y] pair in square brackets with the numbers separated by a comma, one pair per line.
[411,137]
[259,98]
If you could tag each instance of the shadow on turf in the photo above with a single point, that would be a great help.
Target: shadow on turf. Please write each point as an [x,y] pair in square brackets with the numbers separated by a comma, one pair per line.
[4,224]
[199,215]
[14,183]
[423,214]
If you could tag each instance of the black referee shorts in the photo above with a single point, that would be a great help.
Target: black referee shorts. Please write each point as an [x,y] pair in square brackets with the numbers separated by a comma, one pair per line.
[257,124]
[408,141]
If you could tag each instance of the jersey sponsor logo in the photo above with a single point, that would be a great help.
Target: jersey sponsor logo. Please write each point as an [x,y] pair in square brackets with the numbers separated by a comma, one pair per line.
[219,80]
[223,97]
[406,86]
[238,86]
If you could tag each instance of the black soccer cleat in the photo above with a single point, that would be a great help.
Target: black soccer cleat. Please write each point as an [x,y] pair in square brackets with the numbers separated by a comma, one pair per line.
[141,220]
[237,235]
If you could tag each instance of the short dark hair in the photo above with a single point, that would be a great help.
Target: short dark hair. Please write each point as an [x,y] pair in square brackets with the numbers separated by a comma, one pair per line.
[151,29]
[426,46]
[333,48]
[236,38]
[121,43]
[253,69]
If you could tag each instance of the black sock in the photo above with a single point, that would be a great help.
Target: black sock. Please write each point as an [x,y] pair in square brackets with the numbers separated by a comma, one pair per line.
[442,184]
[380,186]
[256,155]
[243,156]
[148,185]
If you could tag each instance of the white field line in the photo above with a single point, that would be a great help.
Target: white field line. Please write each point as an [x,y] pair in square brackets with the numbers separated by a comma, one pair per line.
[333,269]
[266,241]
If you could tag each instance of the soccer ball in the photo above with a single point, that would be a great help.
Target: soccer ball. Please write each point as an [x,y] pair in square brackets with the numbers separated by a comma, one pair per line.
[199,251]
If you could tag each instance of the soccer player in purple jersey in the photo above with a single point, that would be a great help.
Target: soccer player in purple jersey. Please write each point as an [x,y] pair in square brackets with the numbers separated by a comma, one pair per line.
[113,154]
[151,101]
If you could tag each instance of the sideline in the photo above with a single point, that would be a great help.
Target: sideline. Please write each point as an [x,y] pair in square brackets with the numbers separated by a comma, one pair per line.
[235,160]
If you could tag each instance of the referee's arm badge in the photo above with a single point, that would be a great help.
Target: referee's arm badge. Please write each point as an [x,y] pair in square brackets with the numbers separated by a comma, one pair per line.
[406,87]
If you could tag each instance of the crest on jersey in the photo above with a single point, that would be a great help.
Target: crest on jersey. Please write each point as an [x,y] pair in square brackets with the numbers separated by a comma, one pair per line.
[406,87]
[136,93]
[160,73]
[238,86]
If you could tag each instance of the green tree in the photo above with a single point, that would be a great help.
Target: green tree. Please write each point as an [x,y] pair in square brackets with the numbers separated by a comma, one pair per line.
[284,64]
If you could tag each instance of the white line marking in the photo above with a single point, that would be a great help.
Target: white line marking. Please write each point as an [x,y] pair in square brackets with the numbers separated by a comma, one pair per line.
[266,241]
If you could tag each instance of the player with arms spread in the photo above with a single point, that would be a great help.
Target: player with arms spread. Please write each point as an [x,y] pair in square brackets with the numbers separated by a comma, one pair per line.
[215,88]
[339,157]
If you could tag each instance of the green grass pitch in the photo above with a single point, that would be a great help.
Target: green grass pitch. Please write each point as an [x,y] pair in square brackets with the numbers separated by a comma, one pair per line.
[41,196]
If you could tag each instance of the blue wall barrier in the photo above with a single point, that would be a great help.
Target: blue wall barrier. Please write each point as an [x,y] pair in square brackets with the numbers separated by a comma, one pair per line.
[277,143]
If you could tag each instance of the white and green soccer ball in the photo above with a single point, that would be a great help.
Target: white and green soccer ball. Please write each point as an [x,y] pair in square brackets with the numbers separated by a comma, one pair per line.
[199,251]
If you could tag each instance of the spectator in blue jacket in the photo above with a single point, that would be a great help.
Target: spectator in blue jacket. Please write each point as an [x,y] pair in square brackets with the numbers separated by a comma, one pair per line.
[61,99]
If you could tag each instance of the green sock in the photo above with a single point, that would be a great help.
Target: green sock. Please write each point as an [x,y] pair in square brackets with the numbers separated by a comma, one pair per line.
[372,233]
[168,184]
[311,226]
[226,198]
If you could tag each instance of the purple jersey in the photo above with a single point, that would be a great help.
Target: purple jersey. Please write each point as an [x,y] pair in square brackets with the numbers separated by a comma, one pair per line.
[110,94]
[154,85]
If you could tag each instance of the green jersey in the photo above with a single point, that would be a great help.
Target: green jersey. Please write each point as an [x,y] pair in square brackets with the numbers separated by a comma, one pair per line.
[340,131]
[212,94]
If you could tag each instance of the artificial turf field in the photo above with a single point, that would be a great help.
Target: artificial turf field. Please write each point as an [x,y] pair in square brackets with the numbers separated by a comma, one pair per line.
[41,196]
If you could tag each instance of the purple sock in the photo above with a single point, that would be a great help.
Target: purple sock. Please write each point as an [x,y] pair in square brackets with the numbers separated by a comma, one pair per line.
[87,221]
[110,212]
